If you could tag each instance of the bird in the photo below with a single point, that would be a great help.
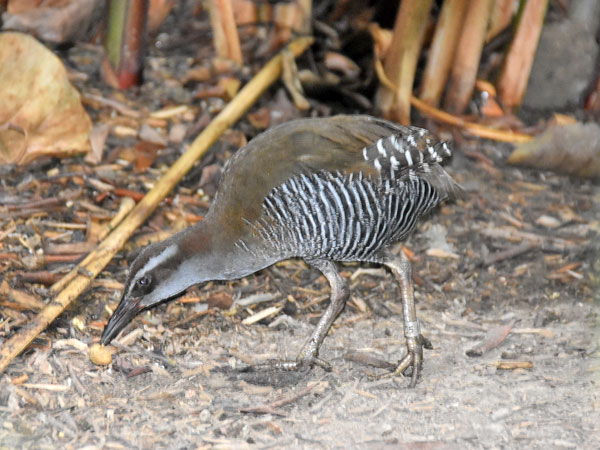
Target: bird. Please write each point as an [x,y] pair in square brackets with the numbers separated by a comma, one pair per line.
[326,190]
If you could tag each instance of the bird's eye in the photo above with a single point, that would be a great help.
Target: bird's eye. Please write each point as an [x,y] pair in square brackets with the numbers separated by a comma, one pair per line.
[144,281]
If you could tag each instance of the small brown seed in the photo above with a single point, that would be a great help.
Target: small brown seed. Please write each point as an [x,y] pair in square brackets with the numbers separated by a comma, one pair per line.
[100,355]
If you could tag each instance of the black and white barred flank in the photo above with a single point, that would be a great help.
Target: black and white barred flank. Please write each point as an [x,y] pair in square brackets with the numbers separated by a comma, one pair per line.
[353,217]
[342,218]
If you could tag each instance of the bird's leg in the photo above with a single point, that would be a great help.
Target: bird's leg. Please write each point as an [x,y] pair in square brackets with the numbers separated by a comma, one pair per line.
[308,355]
[339,294]
[401,268]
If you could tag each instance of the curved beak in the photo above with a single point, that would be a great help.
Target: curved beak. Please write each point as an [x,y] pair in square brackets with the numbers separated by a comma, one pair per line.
[127,310]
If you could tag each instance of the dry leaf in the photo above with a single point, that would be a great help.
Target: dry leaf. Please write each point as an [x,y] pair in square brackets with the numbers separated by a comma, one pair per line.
[57,21]
[24,299]
[98,138]
[40,112]
[572,149]
[145,154]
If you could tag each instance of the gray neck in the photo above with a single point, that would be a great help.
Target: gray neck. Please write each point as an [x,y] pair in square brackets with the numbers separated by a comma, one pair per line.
[220,258]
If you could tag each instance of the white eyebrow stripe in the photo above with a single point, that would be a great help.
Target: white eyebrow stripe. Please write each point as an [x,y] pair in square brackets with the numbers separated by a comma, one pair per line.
[156,260]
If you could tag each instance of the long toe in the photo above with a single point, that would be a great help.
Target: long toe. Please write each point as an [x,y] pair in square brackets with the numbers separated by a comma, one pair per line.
[411,364]
[412,360]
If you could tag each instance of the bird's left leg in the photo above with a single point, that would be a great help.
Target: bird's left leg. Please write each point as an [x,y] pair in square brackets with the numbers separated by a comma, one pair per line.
[402,271]
[308,355]
[338,297]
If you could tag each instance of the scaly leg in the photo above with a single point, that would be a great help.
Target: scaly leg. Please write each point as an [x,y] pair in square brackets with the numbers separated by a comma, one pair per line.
[401,268]
[308,356]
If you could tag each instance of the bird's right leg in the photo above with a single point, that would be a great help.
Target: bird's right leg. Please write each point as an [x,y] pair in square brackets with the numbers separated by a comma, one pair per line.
[402,271]
[308,355]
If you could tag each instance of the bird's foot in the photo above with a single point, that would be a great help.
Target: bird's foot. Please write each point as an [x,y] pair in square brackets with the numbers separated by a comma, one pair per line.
[411,364]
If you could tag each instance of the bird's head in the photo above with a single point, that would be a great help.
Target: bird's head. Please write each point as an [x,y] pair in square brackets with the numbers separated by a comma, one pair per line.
[159,273]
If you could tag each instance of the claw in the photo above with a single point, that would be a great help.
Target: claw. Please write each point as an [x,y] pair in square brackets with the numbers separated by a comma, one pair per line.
[412,360]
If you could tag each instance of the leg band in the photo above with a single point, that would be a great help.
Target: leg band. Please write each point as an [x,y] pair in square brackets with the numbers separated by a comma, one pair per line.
[412,329]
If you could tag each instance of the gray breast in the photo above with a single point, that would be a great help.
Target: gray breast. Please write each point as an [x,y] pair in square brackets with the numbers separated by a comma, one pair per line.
[339,217]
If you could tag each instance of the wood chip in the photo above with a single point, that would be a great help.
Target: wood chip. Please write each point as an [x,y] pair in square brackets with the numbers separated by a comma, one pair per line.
[365,394]
[511,365]
[47,387]
[441,253]
[541,331]
[267,312]
[548,221]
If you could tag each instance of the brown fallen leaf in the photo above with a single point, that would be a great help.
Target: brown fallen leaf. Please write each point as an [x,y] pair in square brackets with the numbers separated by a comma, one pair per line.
[221,300]
[40,112]
[493,338]
[572,149]
[145,154]
[57,21]
[22,299]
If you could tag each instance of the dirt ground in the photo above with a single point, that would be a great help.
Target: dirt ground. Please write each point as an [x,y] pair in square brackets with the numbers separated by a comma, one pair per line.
[192,394]
[519,253]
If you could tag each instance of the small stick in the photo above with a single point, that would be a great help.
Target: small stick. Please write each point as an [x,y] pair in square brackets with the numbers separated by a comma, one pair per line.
[270,408]
[368,359]
[95,262]
[511,365]
[150,355]
[509,253]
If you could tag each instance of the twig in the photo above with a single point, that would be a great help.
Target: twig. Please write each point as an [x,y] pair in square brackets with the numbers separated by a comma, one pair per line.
[271,408]
[95,262]
[368,359]
[509,253]
[151,355]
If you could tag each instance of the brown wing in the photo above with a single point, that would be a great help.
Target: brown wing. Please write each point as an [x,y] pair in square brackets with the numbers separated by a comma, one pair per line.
[300,146]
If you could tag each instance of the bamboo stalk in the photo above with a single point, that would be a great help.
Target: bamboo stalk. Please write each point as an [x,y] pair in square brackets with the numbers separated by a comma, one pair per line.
[306,8]
[470,127]
[225,34]
[401,59]
[441,52]
[80,277]
[125,43]
[519,59]
[473,128]
[468,54]
[502,16]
